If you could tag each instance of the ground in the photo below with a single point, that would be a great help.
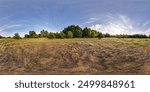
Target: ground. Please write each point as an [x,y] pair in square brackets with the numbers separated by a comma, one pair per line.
[75,56]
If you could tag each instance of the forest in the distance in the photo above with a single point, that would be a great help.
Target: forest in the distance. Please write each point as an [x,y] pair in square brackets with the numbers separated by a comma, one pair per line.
[74,31]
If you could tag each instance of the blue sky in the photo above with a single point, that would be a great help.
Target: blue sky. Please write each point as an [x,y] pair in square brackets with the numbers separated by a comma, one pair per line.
[107,16]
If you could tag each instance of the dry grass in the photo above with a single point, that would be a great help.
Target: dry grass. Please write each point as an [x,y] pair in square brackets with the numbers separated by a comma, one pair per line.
[75,56]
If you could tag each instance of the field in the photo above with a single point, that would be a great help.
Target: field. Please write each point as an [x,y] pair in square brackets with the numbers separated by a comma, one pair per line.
[75,56]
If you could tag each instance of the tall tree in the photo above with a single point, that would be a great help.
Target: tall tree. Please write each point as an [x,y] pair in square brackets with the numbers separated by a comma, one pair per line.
[93,34]
[51,35]
[44,33]
[1,36]
[16,36]
[32,34]
[86,32]
[76,30]
[69,34]
[100,35]
[107,35]
[62,35]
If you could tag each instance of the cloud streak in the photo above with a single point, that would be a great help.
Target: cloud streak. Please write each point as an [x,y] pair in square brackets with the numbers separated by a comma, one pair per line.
[121,24]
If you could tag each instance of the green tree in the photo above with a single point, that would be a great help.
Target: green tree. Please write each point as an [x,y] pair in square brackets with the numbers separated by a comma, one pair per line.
[44,33]
[16,36]
[26,36]
[86,32]
[51,35]
[32,34]
[69,34]
[93,34]
[57,35]
[107,35]
[76,30]
[89,33]
[62,35]
[100,35]
[1,36]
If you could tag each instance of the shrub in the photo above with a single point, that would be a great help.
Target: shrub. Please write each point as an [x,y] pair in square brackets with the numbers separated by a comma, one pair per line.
[16,36]
[1,36]
[100,35]
[62,35]
[69,34]
[51,36]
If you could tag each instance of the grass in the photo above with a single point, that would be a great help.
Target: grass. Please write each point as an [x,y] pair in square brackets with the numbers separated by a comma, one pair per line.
[75,56]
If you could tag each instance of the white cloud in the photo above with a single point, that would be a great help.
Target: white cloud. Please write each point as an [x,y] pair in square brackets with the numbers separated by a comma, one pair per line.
[120,25]
[91,20]
[146,23]
[4,29]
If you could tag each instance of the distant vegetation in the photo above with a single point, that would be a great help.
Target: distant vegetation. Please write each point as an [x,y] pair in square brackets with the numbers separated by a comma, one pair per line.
[74,31]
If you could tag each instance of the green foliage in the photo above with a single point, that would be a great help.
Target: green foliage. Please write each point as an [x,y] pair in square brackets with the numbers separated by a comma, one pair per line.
[69,34]
[86,32]
[89,33]
[51,35]
[138,36]
[57,35]
[32,34]
[132,36]
[1,36]
[43,33]
[62,35]
[76,30]
[16,36]
[100,35]
[26,36]
[93,34]
[107,35]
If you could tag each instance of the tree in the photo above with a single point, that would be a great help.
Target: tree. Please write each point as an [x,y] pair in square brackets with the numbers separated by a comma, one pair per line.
[44,33]
[57,35]
[93,34]
[1,36]
[32,34]
[100,35]
[76,30]
[89,33]
[69,34]
[51,35]
[86,32]
[62,35]
[16,36]
[149,36]
[107,35]
[26,36]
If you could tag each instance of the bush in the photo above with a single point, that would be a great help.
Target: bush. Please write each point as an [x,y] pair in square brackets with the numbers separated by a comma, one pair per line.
[1,36]
[69,34]
[51,36]
[93,34]
[100,35]
[26,36]
[62,35]
[107,35]
[32,34]
[76,30]
[16,36]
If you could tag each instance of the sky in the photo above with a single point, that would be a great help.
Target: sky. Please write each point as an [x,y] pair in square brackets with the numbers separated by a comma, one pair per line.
[106,16]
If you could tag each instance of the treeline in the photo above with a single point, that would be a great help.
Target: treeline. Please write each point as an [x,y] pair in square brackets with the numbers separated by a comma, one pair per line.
[74,31]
